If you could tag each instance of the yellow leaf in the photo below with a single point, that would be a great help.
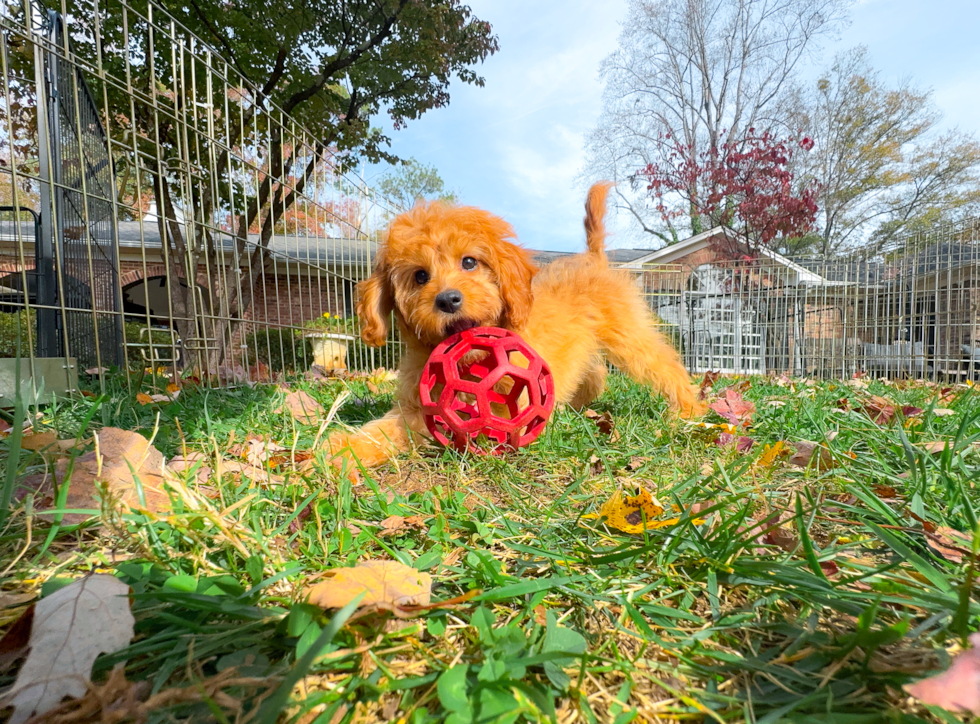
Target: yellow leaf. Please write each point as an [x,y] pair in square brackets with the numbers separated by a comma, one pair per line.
[629,514]
[144,399]
[173,389]
[383,582]
[769,454]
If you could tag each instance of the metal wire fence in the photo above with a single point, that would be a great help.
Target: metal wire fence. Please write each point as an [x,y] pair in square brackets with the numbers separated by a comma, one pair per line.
[157,210]
[909,310]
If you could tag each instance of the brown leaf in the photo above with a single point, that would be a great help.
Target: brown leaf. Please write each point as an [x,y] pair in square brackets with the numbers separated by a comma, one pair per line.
[936,446]
[144,399]
[316,373]
[540,615]
[949,543]
[258,451]
[39,440]
[955,689]
[811,454]
[123,453]
[383,582]
[196,461]
[733,408]
[879,409]
[71,628]
[636,462]
[259,372]
[829,568]
[13,645]
[596,466]
[604,421]
[255,474]
[884,491]
[707,382]
[395,524]
[779,536]
[302,407]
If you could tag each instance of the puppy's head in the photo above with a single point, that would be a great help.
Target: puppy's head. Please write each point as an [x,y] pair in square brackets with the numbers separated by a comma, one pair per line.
[444,269]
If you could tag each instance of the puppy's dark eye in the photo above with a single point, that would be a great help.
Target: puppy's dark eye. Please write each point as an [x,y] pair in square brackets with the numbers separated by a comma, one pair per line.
[469,263]
[421,276]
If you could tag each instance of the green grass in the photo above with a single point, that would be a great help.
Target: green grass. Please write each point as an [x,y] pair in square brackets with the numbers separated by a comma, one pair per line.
[700,620]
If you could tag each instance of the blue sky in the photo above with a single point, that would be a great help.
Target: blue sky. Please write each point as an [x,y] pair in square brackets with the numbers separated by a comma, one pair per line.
[516,146]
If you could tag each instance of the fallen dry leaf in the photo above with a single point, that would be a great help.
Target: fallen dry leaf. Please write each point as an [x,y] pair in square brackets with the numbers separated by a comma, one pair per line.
[596,466]
[71,628]
[395,524]
[96,371]
[144,399]
[383,582]
[196,461]
[39,440]
[770,453]
[604,421]
[733,408]
[775,534]
[259,372]
[943,412]
[884,491]
[951,544]
[256,474]
[707,382]
[257,451]
[122,457]
[935,447]
[632,514]
[958,688]
[807,454]
[636,462]
[741,443]
[882,410]
[302,407]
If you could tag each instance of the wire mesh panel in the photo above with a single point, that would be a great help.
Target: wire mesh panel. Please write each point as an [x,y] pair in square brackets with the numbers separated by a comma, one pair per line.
[911,310]
[87,268]
[186,222]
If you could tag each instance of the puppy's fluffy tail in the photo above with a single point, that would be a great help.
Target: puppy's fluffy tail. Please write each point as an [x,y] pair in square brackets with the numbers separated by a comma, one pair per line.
[595,213]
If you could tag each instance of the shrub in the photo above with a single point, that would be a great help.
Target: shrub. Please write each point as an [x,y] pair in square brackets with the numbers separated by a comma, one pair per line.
[282,350]
[10,322]
[161,340]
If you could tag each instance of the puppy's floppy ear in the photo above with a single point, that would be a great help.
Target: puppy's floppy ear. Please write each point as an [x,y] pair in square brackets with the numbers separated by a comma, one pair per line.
[376,300]
[515,270]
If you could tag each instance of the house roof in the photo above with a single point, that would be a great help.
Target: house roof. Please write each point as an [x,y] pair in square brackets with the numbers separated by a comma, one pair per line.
[616,256]
[134,235]
[672,253]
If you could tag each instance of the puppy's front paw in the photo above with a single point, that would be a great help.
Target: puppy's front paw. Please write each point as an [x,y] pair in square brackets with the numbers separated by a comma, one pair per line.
[690,412]
[690,409]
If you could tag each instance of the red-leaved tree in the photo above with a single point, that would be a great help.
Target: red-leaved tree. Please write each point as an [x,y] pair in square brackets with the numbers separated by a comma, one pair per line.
[747,186]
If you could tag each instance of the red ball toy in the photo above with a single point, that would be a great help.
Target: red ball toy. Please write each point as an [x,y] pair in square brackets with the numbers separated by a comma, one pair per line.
[458,394]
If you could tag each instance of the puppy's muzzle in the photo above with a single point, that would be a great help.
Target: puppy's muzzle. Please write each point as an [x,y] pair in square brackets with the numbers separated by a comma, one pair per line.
[449,301]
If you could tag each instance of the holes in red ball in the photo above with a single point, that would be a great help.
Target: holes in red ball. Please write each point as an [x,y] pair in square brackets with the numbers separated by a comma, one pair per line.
[486,382]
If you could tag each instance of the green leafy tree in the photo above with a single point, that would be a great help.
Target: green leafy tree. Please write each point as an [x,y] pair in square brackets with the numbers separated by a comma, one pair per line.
[882,166]
[219,137]
[410,181]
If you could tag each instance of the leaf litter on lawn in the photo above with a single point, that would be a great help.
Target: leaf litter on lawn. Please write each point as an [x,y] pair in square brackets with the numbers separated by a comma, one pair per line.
[663,598]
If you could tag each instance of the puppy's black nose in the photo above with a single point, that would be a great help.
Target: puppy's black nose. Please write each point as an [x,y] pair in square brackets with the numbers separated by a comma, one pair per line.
[449,301]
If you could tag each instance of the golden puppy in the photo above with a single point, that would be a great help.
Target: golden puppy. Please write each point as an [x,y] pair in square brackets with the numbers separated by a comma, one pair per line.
[444,269]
